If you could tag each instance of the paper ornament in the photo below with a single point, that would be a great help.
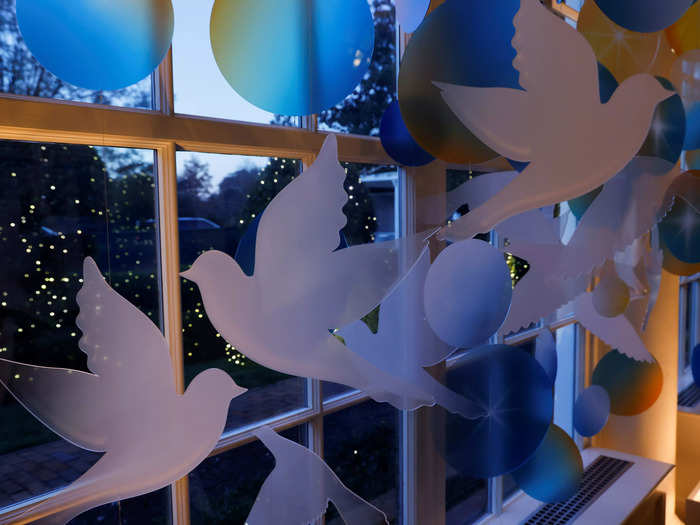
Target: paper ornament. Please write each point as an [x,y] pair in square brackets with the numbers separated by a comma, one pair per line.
[127,406]
[300,487]
[320,51]
[574,148]
[88,44]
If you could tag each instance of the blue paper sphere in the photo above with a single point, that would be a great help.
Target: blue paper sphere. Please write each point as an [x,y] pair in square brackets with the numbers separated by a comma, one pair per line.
[668,128]
[554,473]
[459,42]
[292,57]
[397,140]
[516,394]
[467,293]
[591,411]
[644,16]
[97,44]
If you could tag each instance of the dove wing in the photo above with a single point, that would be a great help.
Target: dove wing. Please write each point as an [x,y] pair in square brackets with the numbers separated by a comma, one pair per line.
[123,345]
[627,208]
[616,332]
[301,224]
[66,401]
[556,63]
[499,117]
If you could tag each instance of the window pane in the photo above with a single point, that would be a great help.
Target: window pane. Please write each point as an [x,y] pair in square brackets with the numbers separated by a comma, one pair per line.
[566,385]
[61,203]
[151,509]
[372,217]
[361,111]
[200,88]
[466,498]
[361,446]
[21,74]
[219,196]
[224,487]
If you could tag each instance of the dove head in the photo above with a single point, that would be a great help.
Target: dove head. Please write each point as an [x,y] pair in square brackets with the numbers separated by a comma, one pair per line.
[210,393]
[644,87]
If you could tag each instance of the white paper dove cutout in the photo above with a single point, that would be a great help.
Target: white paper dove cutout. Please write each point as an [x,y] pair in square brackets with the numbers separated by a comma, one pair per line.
[402,346]
[299,488]
[302,287]
[127,407]
[616,332]
[572,147]
[627,208]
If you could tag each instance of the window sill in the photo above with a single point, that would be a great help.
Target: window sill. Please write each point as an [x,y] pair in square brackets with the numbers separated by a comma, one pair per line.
[613,506]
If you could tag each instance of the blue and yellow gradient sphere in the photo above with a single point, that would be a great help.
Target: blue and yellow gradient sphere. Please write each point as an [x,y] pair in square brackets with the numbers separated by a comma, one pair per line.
[555,471]
[633,386]
[97,44]
[644,16]
[292,57]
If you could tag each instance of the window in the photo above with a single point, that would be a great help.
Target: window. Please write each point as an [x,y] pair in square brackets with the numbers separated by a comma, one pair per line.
[64,199]
[61,203]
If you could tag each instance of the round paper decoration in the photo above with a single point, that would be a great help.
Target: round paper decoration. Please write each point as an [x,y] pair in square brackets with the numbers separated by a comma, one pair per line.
[633,386]
[623,52]
[555,471]
[245,251]
[680,229]
[467,293]
[695,364]
[591,411]
[517,395]
[292,57]
[667,133]
[685,75]
[397,140]
[449,47]
[611,295]
[645,16]
[96,44]
[675,266]
[684,35]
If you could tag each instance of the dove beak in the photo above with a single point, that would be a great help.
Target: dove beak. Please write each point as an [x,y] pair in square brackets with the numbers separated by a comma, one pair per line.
[188,274]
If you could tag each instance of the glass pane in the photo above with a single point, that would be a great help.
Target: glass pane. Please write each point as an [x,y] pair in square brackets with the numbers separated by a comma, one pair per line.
[566,383]
[218,198]
[200,88]
[224,487]
[466,499]
[151,509]
[361,446]
[372,210]
[361,111]
[61,203]
[510,487]
[21,74]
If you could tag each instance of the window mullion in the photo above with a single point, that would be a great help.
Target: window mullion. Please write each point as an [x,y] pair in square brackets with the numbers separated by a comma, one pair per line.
[169,274]
[163,90]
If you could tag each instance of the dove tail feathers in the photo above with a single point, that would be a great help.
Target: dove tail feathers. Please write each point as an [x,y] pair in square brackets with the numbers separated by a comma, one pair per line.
[353,509]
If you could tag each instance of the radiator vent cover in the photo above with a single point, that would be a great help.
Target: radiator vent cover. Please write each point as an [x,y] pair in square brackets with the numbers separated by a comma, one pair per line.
[689,397]
[599,475]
